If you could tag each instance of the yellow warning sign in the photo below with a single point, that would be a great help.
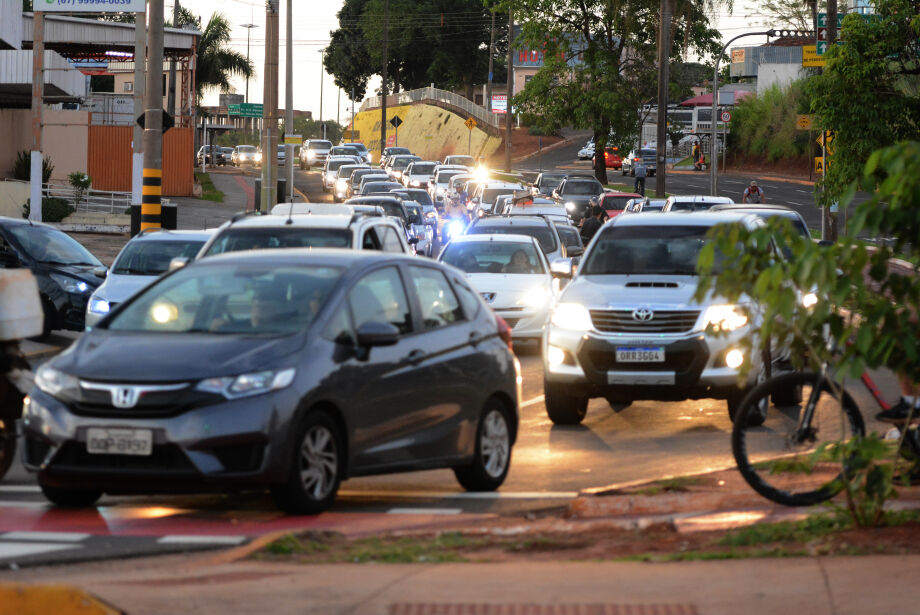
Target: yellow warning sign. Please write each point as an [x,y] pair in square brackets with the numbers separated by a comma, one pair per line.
[825,140]
[803,122]
[819,165]
[470,123]
[810,57]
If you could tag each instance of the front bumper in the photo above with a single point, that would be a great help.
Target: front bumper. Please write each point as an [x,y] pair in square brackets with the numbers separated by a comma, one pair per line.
[235,443]
[526,323]
[694,365]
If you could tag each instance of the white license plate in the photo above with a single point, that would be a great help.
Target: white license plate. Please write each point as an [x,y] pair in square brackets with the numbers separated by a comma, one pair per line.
[640,354]
[119,441]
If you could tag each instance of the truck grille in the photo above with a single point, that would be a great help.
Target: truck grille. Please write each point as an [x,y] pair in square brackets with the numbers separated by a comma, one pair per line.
[663,321]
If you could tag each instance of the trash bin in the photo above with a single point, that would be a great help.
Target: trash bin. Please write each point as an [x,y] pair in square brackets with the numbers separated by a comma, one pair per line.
[168,217]
[282,193]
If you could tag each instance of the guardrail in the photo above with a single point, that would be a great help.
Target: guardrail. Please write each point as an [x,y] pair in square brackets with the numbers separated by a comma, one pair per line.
[461,103]
[98,201]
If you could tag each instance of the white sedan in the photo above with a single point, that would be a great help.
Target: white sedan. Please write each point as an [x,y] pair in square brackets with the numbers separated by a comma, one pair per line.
[512,275]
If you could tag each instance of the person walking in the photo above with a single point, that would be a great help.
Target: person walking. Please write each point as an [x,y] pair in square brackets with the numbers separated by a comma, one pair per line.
[753,194]
[640,172]
[592,224]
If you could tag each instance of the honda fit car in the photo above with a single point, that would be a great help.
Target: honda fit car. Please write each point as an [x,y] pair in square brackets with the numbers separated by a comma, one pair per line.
[291,370]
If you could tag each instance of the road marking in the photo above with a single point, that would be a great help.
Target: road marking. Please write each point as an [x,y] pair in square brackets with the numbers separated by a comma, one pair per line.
[9,504]
[465,495]
[201,540]
[424,511]
[534,401]
[11,550]
[20,489]
[46,536]
[804,191]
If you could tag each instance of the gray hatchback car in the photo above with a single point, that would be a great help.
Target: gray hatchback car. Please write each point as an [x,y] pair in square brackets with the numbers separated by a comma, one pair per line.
[286,369]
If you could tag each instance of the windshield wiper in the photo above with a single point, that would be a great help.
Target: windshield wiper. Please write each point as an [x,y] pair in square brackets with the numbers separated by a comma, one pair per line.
[65,263]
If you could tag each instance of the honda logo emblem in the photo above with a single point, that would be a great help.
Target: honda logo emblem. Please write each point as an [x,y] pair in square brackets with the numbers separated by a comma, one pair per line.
[125,397]
[643,314]
[489,297]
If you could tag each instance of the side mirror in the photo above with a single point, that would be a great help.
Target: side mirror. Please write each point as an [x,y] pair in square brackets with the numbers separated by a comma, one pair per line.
[100,272]
[178,263]
[562,268]
[413,241]
[372,334]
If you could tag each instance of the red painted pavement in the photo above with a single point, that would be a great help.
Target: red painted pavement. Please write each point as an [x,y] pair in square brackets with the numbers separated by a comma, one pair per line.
[248,190]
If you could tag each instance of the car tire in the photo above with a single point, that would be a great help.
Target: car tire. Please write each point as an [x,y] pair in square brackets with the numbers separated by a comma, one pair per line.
[564,404]
[492,457]
[318,444]
[70,498]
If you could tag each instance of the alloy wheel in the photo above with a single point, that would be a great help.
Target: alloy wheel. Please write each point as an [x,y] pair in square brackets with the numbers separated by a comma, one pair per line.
[495,444]
[318,462]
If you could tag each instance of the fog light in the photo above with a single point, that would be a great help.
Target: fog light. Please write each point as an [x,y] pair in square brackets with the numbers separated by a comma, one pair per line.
[734,358]
[555,355]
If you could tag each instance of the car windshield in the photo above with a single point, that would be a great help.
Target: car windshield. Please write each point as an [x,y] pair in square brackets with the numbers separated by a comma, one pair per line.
[358,146]
[544,236]
[152,257]
[615,202]
[50,245]
[582,188]
[464,160]
[335,165]
[494,257]
[247,149]
[648,250]
[375,186]
[444,176]
[420,196]
[359,173]
[415,214]
[548,181]
[247,300]
[423,169]
[401,163]
[490,194]
[569,235]
[238,239]
[320,145]
[343,151]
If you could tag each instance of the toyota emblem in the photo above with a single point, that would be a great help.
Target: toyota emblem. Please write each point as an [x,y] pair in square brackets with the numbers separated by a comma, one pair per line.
[125,397]
[643,314]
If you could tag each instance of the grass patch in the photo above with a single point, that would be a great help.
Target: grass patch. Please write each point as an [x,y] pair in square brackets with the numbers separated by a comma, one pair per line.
[679,484]
[209,191]
[800,532]
[334,547]
[698,556]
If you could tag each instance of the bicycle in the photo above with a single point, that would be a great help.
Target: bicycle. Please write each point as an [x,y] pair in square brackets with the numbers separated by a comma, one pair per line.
[785,421]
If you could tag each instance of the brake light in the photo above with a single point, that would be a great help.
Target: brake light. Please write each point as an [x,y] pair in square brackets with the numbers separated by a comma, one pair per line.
[504,332]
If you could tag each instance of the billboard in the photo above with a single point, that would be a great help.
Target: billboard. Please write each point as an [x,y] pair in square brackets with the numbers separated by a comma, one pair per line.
[90,6]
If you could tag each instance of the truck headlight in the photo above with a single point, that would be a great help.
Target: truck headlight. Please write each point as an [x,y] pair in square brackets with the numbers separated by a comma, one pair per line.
[99,306]
[725,317]
[572,316]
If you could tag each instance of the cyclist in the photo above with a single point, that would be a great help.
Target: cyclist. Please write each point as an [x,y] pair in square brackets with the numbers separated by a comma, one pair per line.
[753,194]
[910,398]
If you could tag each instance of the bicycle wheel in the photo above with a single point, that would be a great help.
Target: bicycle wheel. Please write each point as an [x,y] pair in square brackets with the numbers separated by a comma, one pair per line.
[776,457]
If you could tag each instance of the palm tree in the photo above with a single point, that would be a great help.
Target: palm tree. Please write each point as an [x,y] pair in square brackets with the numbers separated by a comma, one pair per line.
[217,63]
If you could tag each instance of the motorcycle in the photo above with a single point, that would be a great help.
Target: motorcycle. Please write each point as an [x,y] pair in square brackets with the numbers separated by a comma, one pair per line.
[21,317]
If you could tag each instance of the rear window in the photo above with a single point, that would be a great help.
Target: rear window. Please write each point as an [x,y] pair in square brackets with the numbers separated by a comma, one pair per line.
[422,169]
[584,187]
[239,239]
[648,152]
[615,202]
[569,236]
[419,196]
[490,194]
[544,236]
[335,165]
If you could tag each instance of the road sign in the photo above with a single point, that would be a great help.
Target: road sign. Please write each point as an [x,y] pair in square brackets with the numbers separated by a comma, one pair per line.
[470,123]
[821,48]
[91,6]
[251,110]
[167,121]
[810,57]
[395,121]
[803,122]
[825,140]
[293,139]
[822,20]
[819,165]
[233,109]
[726,116]
[351,135]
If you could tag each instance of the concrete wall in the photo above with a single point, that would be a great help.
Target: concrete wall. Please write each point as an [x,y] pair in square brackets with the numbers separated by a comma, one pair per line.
[65,140]
[13,195]
[11,24]
[16,131]
[777,74]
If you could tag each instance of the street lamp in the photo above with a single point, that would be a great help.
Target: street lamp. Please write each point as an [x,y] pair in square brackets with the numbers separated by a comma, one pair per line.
[249,27]
[322,70]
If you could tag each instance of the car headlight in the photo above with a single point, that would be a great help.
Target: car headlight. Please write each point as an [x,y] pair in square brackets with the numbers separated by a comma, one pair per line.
[536,297]
[415,184]
[572,316]
[99,306]
[53,381]
[397,174]
[570,206]
[810,300]
[725,317]
[311,154]
[246,385]
[440,191]
[258,157]
[69,284]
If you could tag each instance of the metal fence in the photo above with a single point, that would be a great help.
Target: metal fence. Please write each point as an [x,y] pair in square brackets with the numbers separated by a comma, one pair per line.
[96,201]
[430,94]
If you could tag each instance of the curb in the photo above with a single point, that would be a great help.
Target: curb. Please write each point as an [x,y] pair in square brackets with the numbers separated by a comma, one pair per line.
[775,178]
[301,194]
[613,488]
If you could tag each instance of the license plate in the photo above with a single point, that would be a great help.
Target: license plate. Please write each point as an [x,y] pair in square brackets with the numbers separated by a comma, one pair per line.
[119,441]
[640,354]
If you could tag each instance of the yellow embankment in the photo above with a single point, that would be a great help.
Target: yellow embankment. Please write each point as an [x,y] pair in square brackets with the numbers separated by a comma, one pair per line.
[428,131]
[22,599]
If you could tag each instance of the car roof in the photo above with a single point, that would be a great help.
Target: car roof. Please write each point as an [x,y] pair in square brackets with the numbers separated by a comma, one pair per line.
[356,145]
[170,235]
[498,237]
[511,221]
[633,195]
[699,198]
[303,257]
[701,218]
[303,220]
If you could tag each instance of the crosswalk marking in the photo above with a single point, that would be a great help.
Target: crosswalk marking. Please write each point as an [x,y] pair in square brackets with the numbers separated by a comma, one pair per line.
[425,511]
[48,536]
[201,540]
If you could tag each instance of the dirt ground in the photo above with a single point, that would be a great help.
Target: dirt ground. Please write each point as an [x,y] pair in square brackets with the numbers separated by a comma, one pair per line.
[522,144]
[797,168]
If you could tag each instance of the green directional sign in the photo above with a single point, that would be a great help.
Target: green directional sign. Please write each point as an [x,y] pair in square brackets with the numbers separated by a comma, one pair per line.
[822,20]
[250,110]
[233,109]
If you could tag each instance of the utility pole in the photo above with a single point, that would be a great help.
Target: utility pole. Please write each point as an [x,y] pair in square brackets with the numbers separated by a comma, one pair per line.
[322,75]
[171,97]
[828,218]
[289,102]
[269,195]
[153,121]
[137,158]
[664,61]
[383,89]
[249,27]
[509,93]
[338,108]
[352,136]
[38,94]
[491,58]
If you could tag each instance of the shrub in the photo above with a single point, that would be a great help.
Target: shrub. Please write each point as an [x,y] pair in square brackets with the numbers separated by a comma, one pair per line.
[53,209]
[81,183]
[764,125]
[22,167]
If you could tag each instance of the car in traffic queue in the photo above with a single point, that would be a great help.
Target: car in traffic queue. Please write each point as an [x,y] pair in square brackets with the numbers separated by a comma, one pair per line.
[354,180]
[612,159]
[457,184]
[66,272]
[540,228]
[418,173]
[614,203]
[245,154]
[512,275]
[418,195]
[343,176]
[587,152]
[345,150]
[376,176]
[396,165]
[313,153]
[627,326]
[373,186]
[389,152]
[460,160]
[576,193]
[211,154]
[331,169]
[486,193]
[634,206]
[287,370]
[548,208]
[423,227]
[694,202]
[362,151]
[647,155]
[439,183]
[547,182]
[766,212]
[143,259]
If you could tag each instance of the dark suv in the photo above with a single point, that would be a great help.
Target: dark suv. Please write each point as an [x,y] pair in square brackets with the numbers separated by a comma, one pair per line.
[577,194]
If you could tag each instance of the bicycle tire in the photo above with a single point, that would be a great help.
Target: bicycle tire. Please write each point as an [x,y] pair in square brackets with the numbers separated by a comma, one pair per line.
[780,473]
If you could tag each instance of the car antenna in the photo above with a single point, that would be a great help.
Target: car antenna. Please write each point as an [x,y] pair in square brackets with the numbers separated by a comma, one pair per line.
[290,219]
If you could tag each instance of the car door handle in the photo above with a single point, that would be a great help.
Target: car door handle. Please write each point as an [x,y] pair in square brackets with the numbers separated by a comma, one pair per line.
[415,357]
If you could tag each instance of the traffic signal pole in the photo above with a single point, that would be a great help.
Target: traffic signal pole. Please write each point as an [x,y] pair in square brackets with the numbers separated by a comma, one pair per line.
[137,157]
[151,200]
[269,194]
[36,174]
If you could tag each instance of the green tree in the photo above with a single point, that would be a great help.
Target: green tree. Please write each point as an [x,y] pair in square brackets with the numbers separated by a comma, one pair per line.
[598,62]
[347,57]
[869,92]
[788,13]
[217,62]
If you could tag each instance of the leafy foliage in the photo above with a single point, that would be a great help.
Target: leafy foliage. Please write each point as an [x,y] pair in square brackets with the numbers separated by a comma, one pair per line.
[53,209]
[788,13]
[764,125]
[217,62]
[22,167]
